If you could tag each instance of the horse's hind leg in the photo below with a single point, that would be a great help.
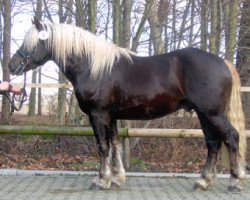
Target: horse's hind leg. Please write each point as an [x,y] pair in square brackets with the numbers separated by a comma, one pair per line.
[118,169]
[213,143]
[100,124]
[231,139]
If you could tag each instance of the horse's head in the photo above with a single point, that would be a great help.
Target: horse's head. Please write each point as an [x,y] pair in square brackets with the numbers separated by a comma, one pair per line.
[33,52]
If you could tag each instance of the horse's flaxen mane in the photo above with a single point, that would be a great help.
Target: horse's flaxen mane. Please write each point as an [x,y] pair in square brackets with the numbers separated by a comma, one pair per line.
[65,40]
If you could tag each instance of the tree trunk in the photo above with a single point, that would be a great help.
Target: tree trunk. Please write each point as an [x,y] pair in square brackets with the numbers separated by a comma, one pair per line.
[127,4]
[6,56]
[174,32]
[32,96]
[191,33]
[166,35]
[215,33]
[231,18]
[92,15]
[72,110]
[116,22]
[62,95]
[150,45]
[69,12]
[204,22]
[80,14]
[155,28]
[218,28]
[109,16]
[212,38]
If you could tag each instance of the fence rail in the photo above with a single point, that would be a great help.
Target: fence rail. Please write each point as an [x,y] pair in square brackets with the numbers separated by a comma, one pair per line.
[87,131]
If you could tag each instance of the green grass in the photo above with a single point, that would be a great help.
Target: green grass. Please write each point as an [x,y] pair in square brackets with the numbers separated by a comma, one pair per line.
[87,164]
[138,164]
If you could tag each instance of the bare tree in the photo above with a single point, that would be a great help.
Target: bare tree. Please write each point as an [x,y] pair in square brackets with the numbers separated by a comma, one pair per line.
[212,38]
[156,27]
[92,15]
[80,15]
[6,55]
[127,4]
[231,21]
[215,33]
[192,18]
[204,23]
[116,22]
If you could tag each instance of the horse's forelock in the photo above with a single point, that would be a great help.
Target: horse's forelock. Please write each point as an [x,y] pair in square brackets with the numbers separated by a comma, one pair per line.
[31,39]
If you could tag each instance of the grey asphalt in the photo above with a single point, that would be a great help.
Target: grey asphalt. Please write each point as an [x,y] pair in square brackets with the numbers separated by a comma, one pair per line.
[76,187]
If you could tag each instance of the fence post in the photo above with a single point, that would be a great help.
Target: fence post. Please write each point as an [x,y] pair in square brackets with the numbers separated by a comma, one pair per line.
[126,153]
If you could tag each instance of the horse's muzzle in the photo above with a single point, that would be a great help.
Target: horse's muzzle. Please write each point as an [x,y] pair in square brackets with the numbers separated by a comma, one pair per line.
[16,70]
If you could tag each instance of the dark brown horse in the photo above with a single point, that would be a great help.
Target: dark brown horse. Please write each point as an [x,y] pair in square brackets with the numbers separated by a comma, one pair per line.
[112,83]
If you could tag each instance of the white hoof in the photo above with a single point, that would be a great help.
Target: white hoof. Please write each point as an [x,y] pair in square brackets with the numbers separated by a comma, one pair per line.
[235,185]
[201,184]
[100,183]
[118,179]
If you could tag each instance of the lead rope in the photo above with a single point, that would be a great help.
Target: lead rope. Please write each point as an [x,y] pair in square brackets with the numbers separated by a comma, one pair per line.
[21,98]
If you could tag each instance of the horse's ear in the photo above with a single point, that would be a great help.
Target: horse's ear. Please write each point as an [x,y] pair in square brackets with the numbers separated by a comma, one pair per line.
[37,24]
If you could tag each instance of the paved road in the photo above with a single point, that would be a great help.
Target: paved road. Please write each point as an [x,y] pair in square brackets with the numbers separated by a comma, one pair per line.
[72,187]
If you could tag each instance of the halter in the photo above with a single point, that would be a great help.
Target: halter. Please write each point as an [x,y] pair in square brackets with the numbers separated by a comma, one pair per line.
[23,65]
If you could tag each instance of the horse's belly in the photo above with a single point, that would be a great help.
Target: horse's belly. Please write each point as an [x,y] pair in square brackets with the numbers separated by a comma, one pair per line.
[145,111]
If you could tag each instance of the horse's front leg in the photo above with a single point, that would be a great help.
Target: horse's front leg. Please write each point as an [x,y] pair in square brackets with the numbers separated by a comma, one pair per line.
[100,123]
[118,168]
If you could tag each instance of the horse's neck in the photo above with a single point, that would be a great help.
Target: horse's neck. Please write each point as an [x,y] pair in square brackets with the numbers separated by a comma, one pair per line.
[75,68]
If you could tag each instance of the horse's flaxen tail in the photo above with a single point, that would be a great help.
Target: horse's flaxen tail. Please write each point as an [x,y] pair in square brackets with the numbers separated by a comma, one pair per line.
[235,115]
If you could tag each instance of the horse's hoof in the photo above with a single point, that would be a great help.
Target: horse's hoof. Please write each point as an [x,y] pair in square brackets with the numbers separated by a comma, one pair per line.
[94,186]
[234,188]
[114,186]
[200,185]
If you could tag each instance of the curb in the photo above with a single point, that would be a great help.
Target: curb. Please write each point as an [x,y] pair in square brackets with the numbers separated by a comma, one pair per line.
[17,172]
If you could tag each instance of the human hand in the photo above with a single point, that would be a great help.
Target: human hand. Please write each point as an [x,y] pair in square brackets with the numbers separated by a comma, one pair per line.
[16,91]
[5,86]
